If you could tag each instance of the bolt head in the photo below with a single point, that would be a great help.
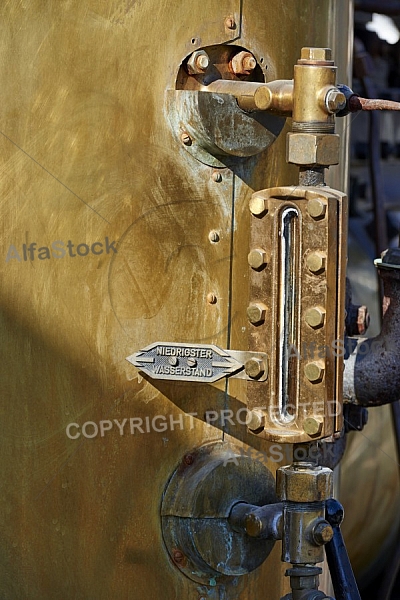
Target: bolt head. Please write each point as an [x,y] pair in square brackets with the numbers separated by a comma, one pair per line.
[257,258]
[315,317]
[316,262]
[322,533]
[198,62]
[314,371]
[316,208]
[258,205]
[256,312]
[312,426]
[186,139]
[323,54]
[243,63]
[335,101]
[255,419]
[254,367]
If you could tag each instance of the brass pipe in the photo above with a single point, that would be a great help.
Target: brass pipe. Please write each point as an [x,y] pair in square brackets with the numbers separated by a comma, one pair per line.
[275,96]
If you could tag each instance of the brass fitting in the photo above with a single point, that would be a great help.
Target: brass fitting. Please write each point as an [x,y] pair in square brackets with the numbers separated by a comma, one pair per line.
[243,63]
[303,482]
[313,149]
[198,62]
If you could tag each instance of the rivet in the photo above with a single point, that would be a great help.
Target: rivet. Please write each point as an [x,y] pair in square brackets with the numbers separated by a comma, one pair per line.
[230,23]
[257,258]
[256,312]
[217,177]
[316,208]
[257,205]
[314,372]
[254,367]
[211,298]
[186,139]
[255,420]
[315,317]
[312,426]
[316,262]
[213,236]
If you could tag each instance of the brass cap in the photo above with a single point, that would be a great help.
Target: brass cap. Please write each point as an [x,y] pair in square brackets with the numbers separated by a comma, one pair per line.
[316,54]
[298,483]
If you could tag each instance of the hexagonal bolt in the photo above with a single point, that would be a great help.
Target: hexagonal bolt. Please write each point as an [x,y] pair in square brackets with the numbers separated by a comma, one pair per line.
[322,533]
[256,312]
[324,54]
[198,62]
[304,483]
[316,262]
[243,63]
[258,206]
[257,258]
[255,420]
[316,208]
[314,371]
[335,101]
[315,317]
[312,426]
[254,367]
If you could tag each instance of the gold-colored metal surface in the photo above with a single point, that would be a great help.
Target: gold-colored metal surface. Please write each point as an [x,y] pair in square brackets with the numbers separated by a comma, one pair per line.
[314,350]
[88,153]
[304,483]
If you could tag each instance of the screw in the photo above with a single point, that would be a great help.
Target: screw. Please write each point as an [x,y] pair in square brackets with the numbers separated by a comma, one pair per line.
[312,426]
[257,258]
[191,362]
[186,139]
[255,420]
[211,298]
[322,533]
[257,205]
[314,371]
[256,312]
[198,62]
[178,556]
[316,54]
[315,317]
[243,63]
[316,208]
[188,460]
[173,361]
[217,177]
[230,23]
[316,262]
[335,100]
[213,236]
[254,367]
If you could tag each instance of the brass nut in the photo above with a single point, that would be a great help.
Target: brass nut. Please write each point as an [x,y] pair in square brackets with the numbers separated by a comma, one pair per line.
[198,62]
[256,312]
[254,367]
[313,149]
[243,63]
[257,258]
[314,371]
[315,317]
[324,54]
[322,533]
[316,208]
[312,426]
[255,420]
[316,262]
[258,205]
[298,483]
[335,100]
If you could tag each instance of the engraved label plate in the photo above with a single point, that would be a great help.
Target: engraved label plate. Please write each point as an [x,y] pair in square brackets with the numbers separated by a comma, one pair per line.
[191,362]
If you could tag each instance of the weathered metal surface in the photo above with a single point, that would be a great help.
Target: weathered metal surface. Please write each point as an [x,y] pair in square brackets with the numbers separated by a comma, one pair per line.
[87,153]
